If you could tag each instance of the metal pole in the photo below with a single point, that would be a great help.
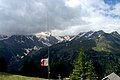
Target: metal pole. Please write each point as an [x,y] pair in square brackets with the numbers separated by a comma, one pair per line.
[48,64]
[48,45]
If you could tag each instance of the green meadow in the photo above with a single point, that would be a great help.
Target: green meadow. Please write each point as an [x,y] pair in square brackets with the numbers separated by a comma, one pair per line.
[6,76]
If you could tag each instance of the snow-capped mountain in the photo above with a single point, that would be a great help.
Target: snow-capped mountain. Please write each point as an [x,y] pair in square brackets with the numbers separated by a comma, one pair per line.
[102,48]
[46,38]
[15,47]
[89,35]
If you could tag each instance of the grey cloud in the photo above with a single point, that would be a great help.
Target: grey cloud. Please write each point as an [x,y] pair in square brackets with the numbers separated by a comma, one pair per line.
[31,16]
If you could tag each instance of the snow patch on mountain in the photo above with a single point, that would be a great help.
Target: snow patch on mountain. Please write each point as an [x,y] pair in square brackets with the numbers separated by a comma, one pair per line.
[27,51]
[46,43]
[43,34]
[80,35]
[89,35]
[3,37]
[99,35]
[30,37]
[46,36]
[62,38]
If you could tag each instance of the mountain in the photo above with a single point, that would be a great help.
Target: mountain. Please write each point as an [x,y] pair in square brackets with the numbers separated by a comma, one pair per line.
[46,37]
[15,47]
[100,47]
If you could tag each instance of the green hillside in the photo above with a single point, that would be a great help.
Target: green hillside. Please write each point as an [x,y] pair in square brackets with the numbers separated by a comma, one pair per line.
[6,76]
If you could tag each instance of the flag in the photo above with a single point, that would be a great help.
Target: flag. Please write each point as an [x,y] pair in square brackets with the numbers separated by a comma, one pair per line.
[44,62]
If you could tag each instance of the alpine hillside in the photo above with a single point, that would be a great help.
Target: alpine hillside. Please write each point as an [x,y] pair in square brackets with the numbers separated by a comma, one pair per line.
[100,47]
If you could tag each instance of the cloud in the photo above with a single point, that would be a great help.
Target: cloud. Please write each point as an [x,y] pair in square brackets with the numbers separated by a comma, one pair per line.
[101,16]
[98,16]
[116,10]
[57,16]
[72,3]
[32,16]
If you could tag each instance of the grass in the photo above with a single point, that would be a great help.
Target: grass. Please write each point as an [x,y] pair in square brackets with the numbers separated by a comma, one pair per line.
[6,76]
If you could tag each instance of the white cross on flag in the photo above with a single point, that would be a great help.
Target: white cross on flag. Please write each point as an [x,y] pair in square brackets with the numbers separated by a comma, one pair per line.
[44,62]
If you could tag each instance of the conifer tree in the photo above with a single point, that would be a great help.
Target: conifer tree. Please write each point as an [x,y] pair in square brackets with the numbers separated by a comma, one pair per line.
[84,70]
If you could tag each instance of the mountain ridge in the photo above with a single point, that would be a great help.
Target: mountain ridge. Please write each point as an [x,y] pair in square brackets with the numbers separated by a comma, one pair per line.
[100,47]
[18,46]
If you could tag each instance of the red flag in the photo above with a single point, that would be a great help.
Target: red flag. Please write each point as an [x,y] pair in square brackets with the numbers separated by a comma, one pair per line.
[44,62]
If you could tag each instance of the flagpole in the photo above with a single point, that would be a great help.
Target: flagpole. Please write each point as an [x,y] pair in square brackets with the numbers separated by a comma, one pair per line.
[48,46]
[48,64]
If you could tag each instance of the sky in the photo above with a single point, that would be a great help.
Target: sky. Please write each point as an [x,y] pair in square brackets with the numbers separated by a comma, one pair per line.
[60,17]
